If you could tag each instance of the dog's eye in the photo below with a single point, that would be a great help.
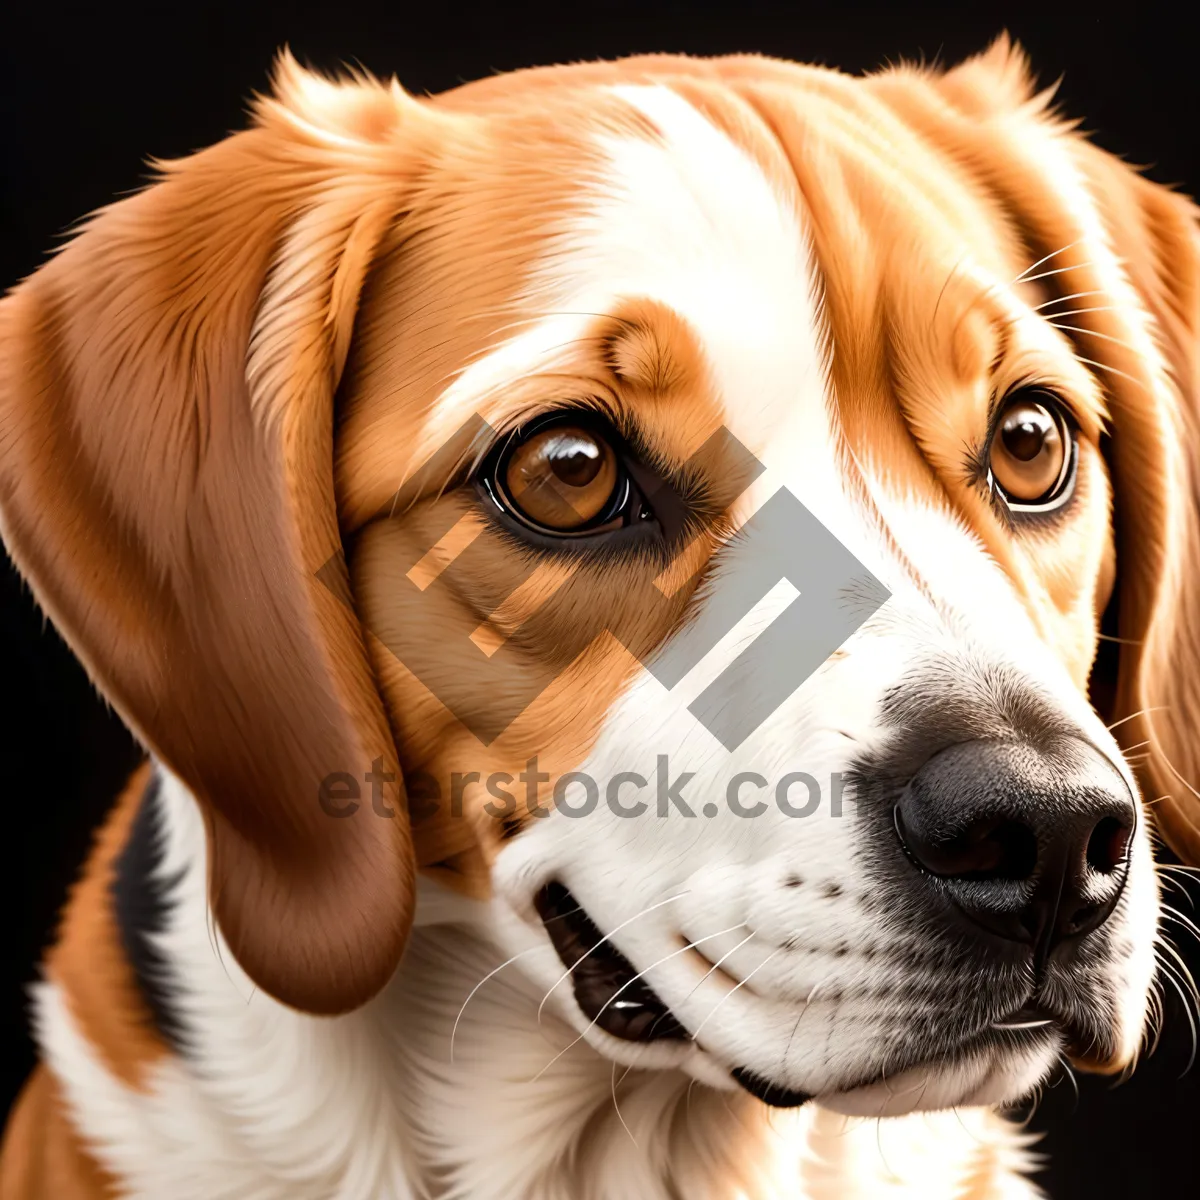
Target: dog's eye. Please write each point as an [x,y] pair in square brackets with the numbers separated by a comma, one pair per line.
[561,478]
[1031,460]
[565,477]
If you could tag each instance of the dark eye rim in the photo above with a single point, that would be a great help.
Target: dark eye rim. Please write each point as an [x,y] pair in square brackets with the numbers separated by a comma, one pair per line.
[626,504]
[1057,497]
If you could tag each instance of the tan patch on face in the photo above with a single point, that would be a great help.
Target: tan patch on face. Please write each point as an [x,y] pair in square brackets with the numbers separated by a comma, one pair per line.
[490,653]
[89,962]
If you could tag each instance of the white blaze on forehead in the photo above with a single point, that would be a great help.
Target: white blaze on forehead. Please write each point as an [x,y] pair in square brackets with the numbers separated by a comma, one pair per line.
[691,220]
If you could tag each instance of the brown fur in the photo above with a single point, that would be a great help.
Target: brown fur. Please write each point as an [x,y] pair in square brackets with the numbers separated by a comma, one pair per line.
[88,959]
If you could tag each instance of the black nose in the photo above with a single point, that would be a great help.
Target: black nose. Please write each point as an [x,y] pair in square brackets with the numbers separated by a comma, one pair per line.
[1031,845]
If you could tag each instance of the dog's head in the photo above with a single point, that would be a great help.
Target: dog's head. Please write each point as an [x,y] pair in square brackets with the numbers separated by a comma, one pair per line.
[398,440]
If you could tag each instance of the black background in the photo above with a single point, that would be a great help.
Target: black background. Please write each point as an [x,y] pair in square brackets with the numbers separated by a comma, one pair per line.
[87,95]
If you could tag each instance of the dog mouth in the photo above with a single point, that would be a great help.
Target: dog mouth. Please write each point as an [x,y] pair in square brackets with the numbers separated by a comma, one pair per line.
[606,984]
[612,996]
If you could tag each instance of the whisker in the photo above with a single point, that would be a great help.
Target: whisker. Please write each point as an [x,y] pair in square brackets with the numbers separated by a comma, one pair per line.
[1091,362]
[627,984]
[490,975]
[617,1107]
[740,984]
[1174,772]
[1187,1012]
[1075,312]
[717,964]
[1179,867]
[1057,271]
[1180,919]
[945,285]
[1185,972]
[1095,333]
[1071,1076]
[1141,712]
[1034,266]
[812,995]
[1163,870]
[1154,1023]
[1071,296]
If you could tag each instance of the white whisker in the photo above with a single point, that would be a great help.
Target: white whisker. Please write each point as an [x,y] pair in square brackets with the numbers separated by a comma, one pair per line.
[1070,1076]
[617,1107]
[740,984]
[1187,1012]
[1069,296]
[1185,972]
[1096,334]
[1091,362]
[1141,712]
[1074,312]
[717,964]
[1057,271]
[1173,914]
[1034,266]
[489,975]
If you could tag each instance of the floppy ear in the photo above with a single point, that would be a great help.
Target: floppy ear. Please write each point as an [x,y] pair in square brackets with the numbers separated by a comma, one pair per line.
[1156,467]
[166,488]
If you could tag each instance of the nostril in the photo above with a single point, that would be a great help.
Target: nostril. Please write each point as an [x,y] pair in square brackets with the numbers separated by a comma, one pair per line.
[988,848]
[1014,851]
[1108,845]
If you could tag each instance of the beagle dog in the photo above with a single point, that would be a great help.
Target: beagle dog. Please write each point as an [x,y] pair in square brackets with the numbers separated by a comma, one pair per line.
[375,461]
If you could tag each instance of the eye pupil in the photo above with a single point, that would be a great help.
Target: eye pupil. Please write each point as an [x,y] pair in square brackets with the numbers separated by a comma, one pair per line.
[574,460]
[1031,455]
[1025,432]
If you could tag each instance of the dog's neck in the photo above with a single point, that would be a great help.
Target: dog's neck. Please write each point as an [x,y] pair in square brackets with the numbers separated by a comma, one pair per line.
[377,1105]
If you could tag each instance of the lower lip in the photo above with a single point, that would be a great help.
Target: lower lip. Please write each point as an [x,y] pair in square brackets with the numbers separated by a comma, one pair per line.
[770,1093]
[634,1013]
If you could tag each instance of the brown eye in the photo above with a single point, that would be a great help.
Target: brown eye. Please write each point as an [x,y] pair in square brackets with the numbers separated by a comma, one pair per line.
[1031,456]
[562,478]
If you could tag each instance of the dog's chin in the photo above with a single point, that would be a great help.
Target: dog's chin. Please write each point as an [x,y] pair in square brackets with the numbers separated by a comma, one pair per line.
[992,1078]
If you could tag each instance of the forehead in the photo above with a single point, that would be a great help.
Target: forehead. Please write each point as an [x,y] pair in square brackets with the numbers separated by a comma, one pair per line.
[786,225]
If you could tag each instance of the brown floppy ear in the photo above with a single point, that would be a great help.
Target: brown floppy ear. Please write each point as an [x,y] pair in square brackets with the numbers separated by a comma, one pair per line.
[1156,468]
[166,488]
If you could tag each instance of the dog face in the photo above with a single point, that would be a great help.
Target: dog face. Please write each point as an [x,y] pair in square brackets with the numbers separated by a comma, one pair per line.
[442,426]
